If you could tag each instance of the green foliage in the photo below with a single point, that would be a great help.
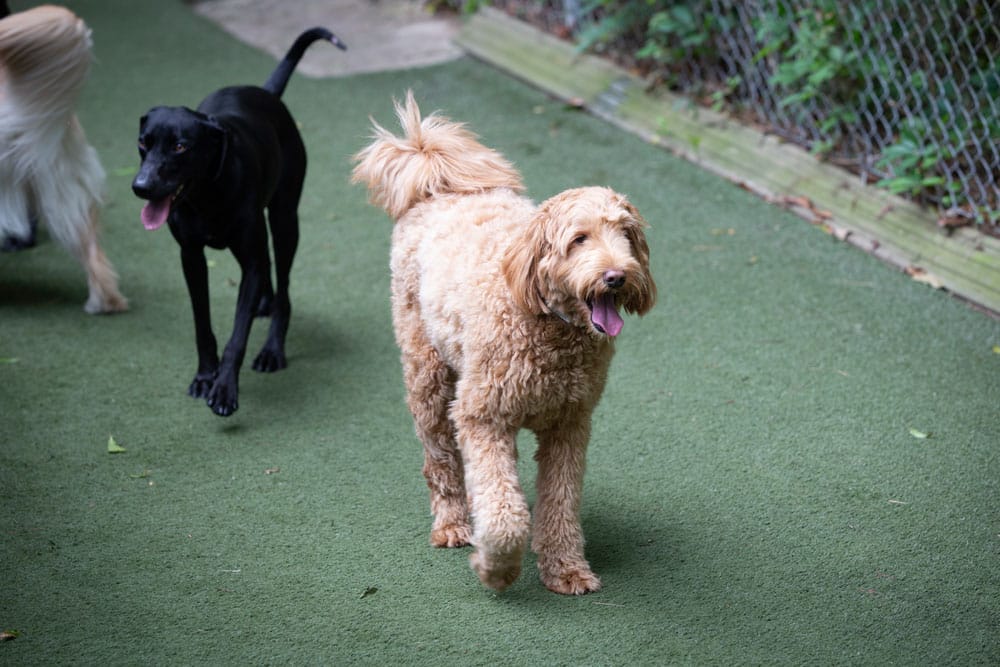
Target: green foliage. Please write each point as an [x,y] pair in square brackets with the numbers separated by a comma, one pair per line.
[829,70]
[458,6]
[912,161]
[816,59]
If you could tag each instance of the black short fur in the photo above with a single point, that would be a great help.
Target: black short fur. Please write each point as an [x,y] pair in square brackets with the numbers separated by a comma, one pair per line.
[210,174]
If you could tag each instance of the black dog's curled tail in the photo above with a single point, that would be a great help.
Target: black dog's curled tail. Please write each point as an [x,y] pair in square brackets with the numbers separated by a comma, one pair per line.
[279,78]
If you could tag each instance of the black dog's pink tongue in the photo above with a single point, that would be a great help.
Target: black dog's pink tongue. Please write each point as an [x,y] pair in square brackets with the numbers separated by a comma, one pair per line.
[155,213]
[605,315]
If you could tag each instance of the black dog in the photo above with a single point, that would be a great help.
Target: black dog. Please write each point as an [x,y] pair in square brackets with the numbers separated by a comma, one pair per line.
[210,174]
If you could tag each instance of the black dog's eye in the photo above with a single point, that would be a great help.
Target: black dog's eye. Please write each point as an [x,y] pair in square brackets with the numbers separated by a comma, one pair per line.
[180,147]
[142,145]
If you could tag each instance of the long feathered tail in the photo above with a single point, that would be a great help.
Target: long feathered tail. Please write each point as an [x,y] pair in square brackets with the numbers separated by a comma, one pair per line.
[45,56]
[434,157]
[279,77]
[47,168]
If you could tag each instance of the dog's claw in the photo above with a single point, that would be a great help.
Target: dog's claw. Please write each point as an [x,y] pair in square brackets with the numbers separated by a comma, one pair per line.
[200,387]
[224,410]
[452,536]
[222,399]
[574,583]
[269,361]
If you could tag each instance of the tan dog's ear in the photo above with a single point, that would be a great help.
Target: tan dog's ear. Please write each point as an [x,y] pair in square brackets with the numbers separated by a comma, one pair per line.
[642,300]
[520,266]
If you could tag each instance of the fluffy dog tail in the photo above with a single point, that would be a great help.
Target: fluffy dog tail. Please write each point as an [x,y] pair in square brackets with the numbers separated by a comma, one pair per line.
[46,165]
[276,83]
[434,157]
[45,56]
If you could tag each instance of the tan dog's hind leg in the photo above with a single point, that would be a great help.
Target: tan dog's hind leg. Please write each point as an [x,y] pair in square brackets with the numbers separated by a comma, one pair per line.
[558,537]
[430,387]
[500,513]
[101,278]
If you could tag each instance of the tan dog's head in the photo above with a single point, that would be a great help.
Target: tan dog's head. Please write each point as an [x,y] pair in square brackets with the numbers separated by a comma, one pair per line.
[583,257]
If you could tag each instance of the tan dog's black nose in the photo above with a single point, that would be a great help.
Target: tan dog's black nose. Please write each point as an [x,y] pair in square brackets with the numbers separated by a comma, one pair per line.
[614,278]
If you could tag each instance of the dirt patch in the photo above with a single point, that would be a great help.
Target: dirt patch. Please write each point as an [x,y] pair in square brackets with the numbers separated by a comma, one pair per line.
[380,35]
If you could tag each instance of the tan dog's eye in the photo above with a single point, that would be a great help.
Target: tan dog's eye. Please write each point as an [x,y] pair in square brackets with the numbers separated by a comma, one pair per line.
[579,239]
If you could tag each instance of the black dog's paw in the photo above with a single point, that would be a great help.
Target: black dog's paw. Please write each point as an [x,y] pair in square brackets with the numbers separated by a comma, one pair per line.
[269,361]
[222,399]
[201,385]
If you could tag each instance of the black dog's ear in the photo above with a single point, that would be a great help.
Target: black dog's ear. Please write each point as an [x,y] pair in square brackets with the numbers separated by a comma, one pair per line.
[213,122]
[145,117]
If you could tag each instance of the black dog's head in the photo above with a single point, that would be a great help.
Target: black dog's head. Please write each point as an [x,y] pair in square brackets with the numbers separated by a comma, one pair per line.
[180,149]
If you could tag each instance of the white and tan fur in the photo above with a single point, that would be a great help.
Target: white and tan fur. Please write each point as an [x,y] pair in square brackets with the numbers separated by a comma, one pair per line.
[490,299]
[47,168]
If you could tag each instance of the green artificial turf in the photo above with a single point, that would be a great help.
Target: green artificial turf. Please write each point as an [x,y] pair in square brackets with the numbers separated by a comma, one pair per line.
[754,495]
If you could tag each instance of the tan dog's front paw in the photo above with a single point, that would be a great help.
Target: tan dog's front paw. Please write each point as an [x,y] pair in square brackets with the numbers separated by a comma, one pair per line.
[572,581]
[497,571]
[451,535]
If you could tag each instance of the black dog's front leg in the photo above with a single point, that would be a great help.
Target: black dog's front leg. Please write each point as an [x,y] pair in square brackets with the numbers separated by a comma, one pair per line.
[222,397]
[196,277]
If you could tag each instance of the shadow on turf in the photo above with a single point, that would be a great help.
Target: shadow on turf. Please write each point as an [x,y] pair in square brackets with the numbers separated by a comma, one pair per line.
[40,292]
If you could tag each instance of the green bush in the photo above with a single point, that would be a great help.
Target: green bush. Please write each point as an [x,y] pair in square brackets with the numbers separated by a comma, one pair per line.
[874,80]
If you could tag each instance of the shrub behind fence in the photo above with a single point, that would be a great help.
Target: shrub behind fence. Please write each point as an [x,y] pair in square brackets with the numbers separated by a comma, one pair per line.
[903,92]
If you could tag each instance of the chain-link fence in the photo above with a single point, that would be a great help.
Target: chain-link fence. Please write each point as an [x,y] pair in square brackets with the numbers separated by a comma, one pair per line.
[904,93]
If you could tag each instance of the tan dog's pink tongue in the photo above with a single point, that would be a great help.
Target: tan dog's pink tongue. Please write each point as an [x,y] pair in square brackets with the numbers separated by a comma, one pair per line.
[605,315]
[155,213]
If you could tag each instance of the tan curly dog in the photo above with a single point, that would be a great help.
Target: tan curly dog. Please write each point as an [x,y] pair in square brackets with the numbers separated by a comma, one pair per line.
[505,313]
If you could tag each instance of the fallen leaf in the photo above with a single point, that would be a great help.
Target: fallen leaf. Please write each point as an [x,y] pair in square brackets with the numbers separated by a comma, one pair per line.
[142,475]
[896,502]
[923,276]
[996,349]
[839,233]
[271,471]
[371,590]
[956,217]
[14,360]
[114,447]
[7,635]
[920,435]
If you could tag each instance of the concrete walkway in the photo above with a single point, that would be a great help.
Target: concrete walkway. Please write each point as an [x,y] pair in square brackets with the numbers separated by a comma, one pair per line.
[380,35]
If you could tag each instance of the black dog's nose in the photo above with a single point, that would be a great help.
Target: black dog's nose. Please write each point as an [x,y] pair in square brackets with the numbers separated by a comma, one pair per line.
[141,186]
[614,278]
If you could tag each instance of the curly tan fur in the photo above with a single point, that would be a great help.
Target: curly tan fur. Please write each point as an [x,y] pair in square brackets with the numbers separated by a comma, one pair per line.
[46,165]
[491,301]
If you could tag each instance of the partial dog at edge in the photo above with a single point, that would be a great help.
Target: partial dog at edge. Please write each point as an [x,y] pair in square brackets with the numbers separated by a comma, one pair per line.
[210,174]
[506,315]
[48,171]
